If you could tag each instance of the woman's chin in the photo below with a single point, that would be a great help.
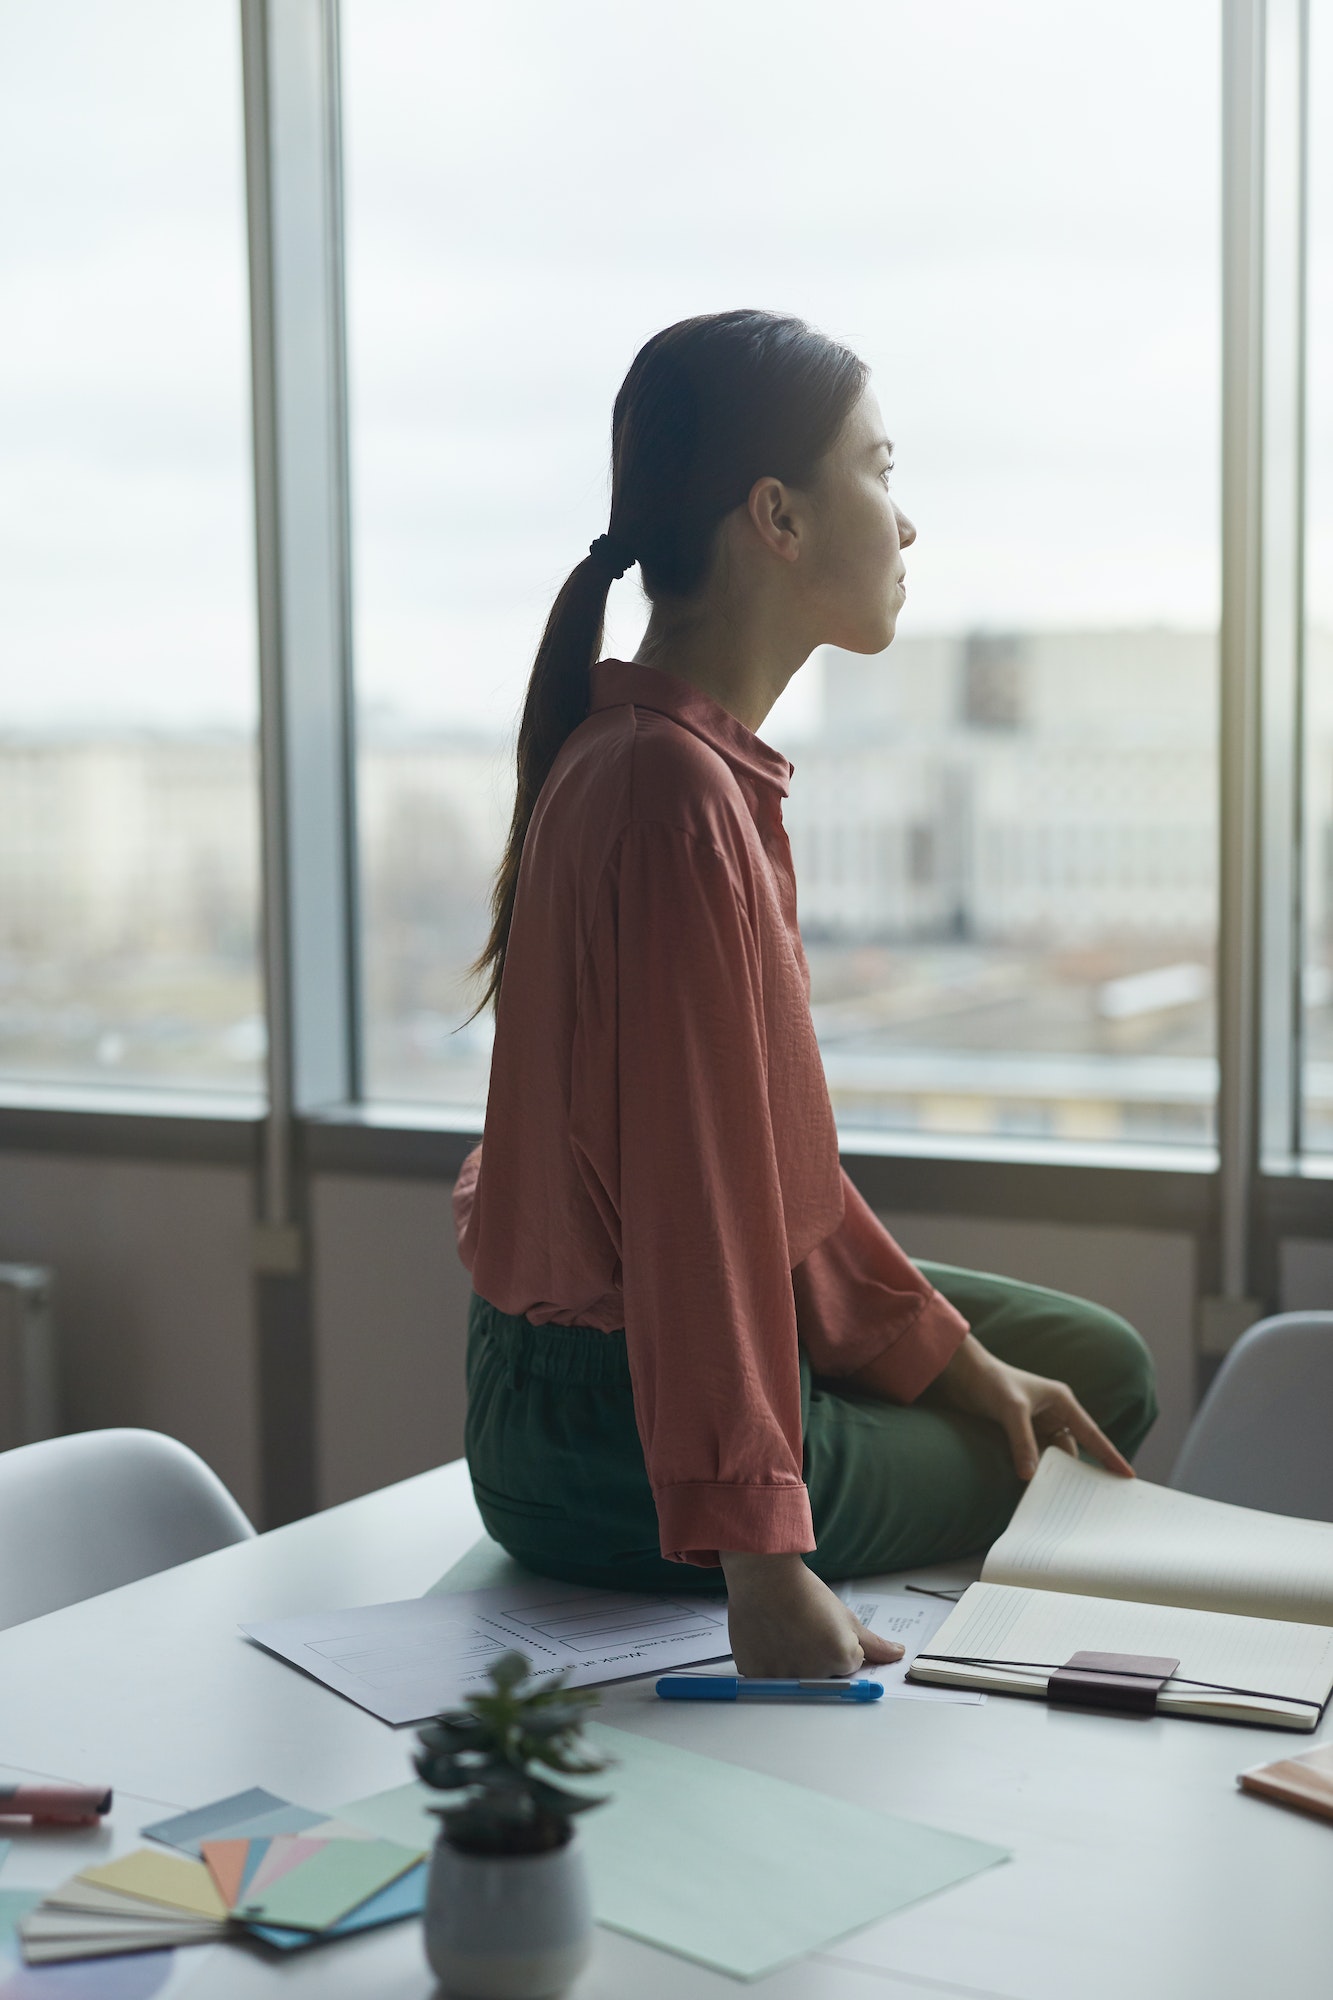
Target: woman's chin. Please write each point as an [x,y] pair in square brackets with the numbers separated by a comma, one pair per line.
[871,636]
[888,627]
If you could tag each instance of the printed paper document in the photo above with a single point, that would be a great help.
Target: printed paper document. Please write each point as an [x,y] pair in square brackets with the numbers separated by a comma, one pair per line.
[405,1662]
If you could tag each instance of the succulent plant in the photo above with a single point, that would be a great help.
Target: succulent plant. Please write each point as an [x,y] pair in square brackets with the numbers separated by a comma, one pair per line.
[494,1753]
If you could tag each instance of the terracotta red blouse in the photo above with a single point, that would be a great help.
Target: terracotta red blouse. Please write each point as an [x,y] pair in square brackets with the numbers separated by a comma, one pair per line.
[660,1153]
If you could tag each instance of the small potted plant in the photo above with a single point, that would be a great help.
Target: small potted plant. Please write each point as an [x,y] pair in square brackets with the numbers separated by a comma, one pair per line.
[508,1915]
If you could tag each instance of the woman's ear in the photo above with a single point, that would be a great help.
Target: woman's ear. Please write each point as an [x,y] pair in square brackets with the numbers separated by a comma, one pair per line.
[774,518]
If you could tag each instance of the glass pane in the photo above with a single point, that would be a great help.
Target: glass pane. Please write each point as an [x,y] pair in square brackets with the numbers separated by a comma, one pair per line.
[128,802]
[1318,883]
[1004,827]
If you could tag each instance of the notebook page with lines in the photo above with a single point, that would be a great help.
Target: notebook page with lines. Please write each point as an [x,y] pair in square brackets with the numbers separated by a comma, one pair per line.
[1083,1530]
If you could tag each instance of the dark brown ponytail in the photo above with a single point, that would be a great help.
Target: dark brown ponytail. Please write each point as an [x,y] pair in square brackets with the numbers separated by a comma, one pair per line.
[709,406]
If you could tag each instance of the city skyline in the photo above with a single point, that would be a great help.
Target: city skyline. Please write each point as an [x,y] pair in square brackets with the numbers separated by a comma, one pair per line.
[1005,849]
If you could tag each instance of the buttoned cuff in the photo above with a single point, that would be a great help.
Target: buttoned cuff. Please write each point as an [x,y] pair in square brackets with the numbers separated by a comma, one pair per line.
[698,1519]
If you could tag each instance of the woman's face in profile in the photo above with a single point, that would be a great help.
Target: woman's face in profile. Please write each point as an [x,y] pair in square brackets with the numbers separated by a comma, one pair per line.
[856,569]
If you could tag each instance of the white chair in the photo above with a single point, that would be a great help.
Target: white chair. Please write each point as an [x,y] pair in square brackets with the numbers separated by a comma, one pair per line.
[1263,1436]
[85,1513]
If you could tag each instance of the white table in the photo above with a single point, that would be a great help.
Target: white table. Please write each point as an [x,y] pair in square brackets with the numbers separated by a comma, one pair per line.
[1138,1868]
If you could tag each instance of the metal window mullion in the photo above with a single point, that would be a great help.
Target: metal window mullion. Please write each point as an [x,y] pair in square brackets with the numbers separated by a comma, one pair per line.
[353,1052]
[1298,783]
[276,1190]
[1243,23]
[302,513]
[293,175]
[1282,589]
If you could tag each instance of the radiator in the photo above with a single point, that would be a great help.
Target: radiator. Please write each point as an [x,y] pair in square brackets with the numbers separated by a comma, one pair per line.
[27,1356]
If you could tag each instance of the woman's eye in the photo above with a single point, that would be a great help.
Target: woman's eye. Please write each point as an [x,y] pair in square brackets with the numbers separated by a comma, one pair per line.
[884,475]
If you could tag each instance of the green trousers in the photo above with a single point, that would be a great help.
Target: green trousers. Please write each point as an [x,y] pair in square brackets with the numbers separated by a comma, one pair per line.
[558,1471]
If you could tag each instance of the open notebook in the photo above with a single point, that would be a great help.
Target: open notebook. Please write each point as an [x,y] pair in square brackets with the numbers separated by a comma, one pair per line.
[1095,1563]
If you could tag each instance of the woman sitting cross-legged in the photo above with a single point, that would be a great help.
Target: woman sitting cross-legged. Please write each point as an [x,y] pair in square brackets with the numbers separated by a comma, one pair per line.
[692,1344]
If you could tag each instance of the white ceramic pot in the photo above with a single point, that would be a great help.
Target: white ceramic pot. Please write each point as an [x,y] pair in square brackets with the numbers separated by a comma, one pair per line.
[508,1927]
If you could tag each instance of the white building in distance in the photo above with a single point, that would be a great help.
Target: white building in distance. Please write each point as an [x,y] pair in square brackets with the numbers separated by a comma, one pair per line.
[1048,786]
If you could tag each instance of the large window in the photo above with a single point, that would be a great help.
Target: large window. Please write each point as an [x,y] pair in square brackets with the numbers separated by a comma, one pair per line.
[128,815]
[1005,826]
[1318,869]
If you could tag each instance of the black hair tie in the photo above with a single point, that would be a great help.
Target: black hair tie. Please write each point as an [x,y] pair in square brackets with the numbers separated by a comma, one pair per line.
[613,556]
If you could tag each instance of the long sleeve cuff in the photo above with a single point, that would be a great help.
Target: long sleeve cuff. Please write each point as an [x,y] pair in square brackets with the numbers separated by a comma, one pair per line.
[696,1520]
[910,1361]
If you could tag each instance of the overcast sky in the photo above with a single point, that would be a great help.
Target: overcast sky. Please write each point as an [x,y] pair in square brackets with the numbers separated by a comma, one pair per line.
[1010,210]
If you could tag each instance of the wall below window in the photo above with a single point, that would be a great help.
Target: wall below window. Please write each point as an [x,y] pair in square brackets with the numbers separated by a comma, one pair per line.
[1306,1274]
[155,1311]
[391,1328]
[153,1302]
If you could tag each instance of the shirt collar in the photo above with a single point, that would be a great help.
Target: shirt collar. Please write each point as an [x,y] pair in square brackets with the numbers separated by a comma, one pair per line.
[616,683]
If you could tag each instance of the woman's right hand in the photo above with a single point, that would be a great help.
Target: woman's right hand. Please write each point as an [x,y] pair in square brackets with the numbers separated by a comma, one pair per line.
[787,1625]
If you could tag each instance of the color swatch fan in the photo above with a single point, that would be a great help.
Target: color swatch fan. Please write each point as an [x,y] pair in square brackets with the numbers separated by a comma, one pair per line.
[253,1864]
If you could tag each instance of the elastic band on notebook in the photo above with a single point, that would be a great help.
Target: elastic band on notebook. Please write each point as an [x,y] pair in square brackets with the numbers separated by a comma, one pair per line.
[1181,1680]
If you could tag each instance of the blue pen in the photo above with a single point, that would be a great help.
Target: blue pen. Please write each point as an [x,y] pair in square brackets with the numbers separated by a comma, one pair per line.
[735,1687]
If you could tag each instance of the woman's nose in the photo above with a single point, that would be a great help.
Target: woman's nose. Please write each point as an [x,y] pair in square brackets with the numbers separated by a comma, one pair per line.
[906,530]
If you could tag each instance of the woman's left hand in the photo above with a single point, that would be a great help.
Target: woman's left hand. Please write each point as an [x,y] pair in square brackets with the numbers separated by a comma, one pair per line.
[1031,1410]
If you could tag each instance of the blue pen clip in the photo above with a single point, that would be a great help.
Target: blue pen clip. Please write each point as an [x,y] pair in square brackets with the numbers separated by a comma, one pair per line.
[738,1687]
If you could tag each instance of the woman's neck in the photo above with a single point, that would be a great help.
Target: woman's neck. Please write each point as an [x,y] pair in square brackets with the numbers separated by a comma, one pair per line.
[734,661]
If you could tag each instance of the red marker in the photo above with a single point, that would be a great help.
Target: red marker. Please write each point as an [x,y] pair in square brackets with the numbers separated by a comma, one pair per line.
[69,1805]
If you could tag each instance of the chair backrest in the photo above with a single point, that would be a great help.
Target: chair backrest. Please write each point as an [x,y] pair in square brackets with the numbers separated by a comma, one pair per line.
[1263,1436]
[85,1513]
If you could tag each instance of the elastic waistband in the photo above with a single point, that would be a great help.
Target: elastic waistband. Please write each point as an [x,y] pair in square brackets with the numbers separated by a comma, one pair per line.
[553,1353]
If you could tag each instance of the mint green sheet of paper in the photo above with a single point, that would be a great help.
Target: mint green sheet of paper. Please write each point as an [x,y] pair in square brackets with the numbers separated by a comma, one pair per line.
[344,1874]
[724,1865]
[15,1905]
[403,1814]
[744,1872]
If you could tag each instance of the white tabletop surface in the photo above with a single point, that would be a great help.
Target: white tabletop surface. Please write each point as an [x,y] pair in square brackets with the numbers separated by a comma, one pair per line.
[1139,1869]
